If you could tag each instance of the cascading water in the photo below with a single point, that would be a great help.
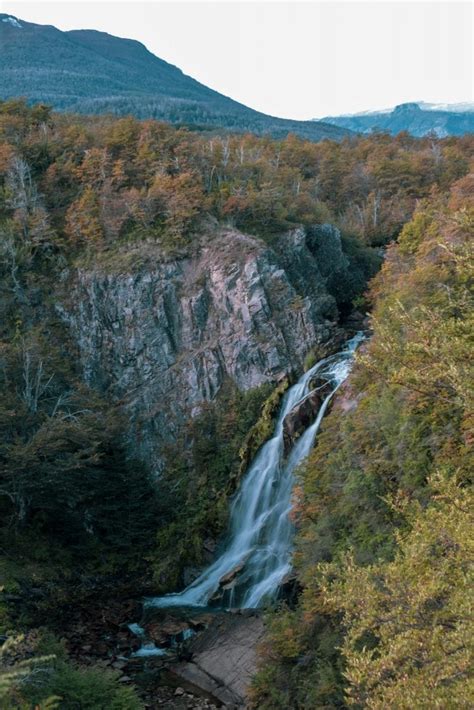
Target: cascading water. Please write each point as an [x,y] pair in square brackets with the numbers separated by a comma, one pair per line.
[258,547]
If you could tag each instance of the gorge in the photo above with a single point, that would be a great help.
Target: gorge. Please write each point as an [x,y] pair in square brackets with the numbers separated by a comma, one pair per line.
[257,552]
[255,555]
[175,307]
[166,336]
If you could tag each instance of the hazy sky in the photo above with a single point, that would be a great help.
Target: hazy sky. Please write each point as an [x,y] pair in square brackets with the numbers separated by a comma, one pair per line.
[294,59]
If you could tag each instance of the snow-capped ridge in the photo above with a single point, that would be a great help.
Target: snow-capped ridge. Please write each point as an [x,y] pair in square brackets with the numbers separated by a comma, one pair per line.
[12,21]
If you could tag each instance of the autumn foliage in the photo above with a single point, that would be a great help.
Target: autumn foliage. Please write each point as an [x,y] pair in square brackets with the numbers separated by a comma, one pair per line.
[385,504]
[94,183]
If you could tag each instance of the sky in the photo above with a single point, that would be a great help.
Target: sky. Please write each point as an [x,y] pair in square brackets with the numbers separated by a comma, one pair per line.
[289,58]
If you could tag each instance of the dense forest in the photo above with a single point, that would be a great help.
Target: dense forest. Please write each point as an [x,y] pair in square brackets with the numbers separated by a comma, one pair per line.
[382,506]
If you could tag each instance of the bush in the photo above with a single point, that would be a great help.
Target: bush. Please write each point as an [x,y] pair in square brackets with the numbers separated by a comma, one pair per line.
[195,487]
[382,550]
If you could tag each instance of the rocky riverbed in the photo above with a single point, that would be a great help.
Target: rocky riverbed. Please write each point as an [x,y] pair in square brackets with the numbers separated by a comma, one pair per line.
[184,658]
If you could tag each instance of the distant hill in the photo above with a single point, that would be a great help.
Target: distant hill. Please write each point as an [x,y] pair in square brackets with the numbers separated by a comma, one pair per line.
[418,119]
[93,72]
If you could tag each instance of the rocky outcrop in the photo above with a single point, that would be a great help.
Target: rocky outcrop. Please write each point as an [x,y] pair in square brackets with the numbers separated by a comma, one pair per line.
[305,412]
[223,658]
[162,337]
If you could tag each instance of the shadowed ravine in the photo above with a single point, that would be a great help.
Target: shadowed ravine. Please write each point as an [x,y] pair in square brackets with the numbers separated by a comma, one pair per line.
[257,553]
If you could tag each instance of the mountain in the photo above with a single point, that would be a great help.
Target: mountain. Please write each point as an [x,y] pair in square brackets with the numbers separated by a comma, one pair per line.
[465,106]
[93,72]
[419,119]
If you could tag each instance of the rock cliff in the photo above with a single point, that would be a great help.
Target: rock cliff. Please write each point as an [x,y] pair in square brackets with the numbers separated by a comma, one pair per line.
[162,337]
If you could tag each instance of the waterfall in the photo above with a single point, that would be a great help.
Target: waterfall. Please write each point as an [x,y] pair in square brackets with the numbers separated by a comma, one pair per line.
[257,553]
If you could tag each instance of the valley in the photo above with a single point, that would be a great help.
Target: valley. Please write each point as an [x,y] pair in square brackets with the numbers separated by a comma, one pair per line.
[204,472]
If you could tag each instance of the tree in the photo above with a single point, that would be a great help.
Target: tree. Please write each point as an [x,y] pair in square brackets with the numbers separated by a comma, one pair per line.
[383,550]
[177,201]
[83,224]
[408,623]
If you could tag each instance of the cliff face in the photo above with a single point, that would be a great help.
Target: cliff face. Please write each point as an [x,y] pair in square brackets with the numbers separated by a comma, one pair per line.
[163,338]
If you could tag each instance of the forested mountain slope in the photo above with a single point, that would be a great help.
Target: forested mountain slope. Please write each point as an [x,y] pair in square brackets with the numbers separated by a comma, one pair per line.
[144,266]
[385,503]
[94,72]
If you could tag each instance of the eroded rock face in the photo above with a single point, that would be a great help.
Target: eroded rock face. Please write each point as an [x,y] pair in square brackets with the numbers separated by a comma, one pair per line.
[304,414]
[224,658]
[161,339]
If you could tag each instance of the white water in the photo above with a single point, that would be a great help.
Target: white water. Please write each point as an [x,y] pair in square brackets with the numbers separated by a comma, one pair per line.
[261,531]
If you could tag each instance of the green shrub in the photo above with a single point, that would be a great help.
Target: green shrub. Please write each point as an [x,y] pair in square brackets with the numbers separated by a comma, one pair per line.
[194,489]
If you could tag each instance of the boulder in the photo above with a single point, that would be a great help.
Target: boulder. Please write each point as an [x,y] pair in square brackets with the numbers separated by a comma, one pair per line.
[224,658]
[303,415]
[290,587]
[163,631]
[228,580]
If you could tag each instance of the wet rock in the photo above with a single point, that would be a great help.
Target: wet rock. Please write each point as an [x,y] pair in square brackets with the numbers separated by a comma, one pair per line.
[167,631]
[210,545]
[357,321]
[174,627]
[190,574]
[319,383]
[228,580]
[346,398]
[155,632]
[290,588]
[301,416]
[200,622]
